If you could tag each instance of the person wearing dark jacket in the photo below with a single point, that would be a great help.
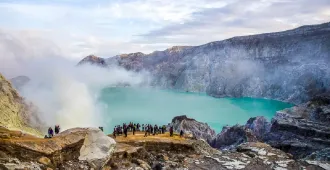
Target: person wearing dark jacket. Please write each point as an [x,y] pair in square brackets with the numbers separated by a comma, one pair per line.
[171,131]
[181,133]
[50,132]
[57,129]
[114,132]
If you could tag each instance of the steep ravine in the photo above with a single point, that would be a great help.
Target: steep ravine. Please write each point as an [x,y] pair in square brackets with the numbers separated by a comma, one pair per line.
[289,66]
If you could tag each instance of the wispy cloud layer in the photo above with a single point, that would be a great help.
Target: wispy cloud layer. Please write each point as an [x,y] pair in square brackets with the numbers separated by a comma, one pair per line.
[74,29]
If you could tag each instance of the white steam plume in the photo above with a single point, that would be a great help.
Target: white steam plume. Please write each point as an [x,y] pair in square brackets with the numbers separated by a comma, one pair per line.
[64,93]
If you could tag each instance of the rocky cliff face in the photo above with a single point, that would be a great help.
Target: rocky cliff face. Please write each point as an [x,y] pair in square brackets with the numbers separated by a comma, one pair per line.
[230,137]
[289,66]
[302,131]
[15,112]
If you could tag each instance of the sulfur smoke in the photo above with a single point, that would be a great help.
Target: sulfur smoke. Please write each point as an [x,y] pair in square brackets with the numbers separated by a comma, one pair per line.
[64,93]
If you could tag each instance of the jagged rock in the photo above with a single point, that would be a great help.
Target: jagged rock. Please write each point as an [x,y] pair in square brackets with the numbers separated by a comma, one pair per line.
[323,165]
[15,112]
[19,81]
[259,126]
[24,165]
[186,153]
[199,130]
[303,129]
[230,137]
[76,145]
[322,155]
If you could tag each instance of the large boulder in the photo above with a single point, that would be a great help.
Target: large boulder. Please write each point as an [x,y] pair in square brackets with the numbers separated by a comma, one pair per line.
[259,126]
[230,137]
[81,145]
[97,148]
[197,129]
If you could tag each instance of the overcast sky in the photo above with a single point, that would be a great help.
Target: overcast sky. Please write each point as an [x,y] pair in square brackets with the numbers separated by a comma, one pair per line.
[76,28]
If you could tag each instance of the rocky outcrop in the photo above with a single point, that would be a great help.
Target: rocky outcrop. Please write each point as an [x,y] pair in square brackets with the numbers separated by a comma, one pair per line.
[197,129]
[93,60]
[322,155]
[19,81]
[97,149]
[303,129]
[15,112]
[165,152]
[85,146]
[249,66]
[259,126]
[230,137]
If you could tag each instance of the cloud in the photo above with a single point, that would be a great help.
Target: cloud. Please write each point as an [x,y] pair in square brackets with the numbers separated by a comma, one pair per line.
[107,28]
[241,18]
[64,94]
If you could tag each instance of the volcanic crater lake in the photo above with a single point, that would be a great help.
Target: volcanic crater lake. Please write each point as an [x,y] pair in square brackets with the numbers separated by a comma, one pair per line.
[153,106]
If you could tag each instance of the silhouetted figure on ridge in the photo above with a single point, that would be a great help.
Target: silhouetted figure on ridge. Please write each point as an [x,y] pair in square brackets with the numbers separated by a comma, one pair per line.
[146,131]
[181,133]
[134,128]
[114,132]
[57,129]
[50,132]
[171,131]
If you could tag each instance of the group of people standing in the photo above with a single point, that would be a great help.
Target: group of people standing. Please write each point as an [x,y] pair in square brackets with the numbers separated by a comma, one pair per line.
[132,127]
[154,130]
[51,131]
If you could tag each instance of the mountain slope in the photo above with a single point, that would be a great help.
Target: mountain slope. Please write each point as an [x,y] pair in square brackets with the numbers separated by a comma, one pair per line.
[15,113]
[290,66]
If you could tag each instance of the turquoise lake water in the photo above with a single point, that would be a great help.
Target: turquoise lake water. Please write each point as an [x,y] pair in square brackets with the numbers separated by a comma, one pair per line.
[160,106]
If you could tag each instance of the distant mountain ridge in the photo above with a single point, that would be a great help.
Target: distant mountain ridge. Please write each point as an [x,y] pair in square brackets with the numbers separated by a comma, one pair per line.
[290,66]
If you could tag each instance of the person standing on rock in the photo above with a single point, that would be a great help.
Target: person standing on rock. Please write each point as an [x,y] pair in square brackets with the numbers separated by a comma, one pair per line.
[155,130]
[50,132]
[181,133]
[146,131]
[57,129]
[171,131]
[114,132]
[125,130]
[134,129]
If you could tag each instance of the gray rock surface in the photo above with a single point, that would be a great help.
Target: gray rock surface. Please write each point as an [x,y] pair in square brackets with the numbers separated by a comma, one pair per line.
[97,148]
[94,60]
[322,155]
[290,66]
[197,129]
[259,126]
[230,137]
[303,129]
